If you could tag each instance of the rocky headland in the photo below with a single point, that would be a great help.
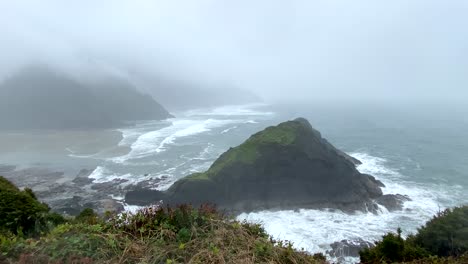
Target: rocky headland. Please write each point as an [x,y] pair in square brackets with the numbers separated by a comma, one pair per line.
[288,166]
[39,97]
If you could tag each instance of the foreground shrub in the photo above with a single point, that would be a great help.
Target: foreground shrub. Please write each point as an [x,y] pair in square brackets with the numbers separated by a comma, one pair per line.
[445,235]
[393,248]
[21,213]
[160,235]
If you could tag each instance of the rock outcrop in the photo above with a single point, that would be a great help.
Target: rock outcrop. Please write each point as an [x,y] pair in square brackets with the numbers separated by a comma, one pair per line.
[347,248]
[287,166]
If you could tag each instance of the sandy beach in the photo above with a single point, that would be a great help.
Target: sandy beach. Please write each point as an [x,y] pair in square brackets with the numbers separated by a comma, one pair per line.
[37,148]
[52,164]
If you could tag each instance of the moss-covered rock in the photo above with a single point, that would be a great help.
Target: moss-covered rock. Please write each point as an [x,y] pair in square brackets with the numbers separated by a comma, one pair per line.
[285,166]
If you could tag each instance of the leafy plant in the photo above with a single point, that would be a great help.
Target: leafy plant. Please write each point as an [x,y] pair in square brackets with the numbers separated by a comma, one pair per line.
[21,213]
[446,234]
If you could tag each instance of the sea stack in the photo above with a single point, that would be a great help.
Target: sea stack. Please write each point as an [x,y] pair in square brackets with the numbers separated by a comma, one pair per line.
[288,166]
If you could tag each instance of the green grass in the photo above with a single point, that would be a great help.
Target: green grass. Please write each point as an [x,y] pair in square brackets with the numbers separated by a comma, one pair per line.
[198,176]
[248,152]
[155,235]
[282,134]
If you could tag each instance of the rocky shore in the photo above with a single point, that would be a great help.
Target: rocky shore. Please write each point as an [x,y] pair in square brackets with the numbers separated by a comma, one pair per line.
[65,196]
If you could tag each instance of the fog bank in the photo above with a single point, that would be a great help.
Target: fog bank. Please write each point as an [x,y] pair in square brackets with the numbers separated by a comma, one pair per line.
[280,50]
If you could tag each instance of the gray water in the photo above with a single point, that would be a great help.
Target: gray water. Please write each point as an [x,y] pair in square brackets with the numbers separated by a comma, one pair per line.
[417,151]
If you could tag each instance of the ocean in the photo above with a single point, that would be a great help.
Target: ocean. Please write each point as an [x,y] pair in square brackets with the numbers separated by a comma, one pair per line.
[414,151]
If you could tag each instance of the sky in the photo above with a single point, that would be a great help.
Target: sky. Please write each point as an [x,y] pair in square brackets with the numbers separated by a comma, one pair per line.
[290,50]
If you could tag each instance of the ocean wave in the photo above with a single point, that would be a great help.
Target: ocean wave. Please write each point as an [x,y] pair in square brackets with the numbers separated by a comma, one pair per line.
[232,110]
[251,122]
[228,129]
[129,136]
[315,230]
[157,141]
[84,156]
[101,174]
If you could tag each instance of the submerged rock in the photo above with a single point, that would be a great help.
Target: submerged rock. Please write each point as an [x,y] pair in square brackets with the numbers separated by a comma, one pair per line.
[287,166]
[393,202]
[348,248]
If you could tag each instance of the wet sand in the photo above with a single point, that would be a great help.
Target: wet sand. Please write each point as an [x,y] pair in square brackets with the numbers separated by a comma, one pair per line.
[34,148]
[56,164]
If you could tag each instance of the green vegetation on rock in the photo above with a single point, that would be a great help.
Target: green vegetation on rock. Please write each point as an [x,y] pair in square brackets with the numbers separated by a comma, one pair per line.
[283,134]
[198,176]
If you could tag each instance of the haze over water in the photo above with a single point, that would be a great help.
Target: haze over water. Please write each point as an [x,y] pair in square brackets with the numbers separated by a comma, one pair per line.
[411,154]
[385,81]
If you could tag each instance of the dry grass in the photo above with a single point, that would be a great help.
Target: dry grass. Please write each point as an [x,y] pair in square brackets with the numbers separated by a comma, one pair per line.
[160,235]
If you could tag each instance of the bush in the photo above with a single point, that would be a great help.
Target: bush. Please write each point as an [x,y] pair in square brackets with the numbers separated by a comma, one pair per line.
[392,248]
[446,234]
[156,234]
[87,216]
[21,213]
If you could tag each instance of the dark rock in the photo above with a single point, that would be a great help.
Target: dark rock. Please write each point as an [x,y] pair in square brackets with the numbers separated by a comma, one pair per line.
[393,202]
[70,206]
[69,197]
[82,178]
[286,166]
[108,205]
[377,182]
[140,196]
[348,248]
[111,185]
[73,206]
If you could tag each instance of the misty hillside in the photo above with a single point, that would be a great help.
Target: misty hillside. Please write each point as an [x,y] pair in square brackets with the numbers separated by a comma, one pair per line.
[37,97]
[182,95]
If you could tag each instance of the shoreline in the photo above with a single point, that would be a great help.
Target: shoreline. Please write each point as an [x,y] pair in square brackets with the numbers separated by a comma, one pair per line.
[56,166]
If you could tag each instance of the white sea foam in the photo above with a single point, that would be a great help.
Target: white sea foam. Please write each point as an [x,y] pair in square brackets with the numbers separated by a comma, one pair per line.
[101,174]
[129,136]
[132,208]
[228,129]
[315,230]
[232,110]
[74,155]
[157,141]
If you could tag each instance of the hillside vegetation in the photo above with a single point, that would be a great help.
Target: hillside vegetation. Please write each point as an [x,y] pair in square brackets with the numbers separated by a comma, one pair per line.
[445,235]
[155,234]
[30,233]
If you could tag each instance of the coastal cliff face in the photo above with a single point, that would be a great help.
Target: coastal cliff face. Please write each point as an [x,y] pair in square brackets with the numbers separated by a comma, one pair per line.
[40,98]
[286,166]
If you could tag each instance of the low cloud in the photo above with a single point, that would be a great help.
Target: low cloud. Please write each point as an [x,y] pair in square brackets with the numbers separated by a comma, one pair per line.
[281,50]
